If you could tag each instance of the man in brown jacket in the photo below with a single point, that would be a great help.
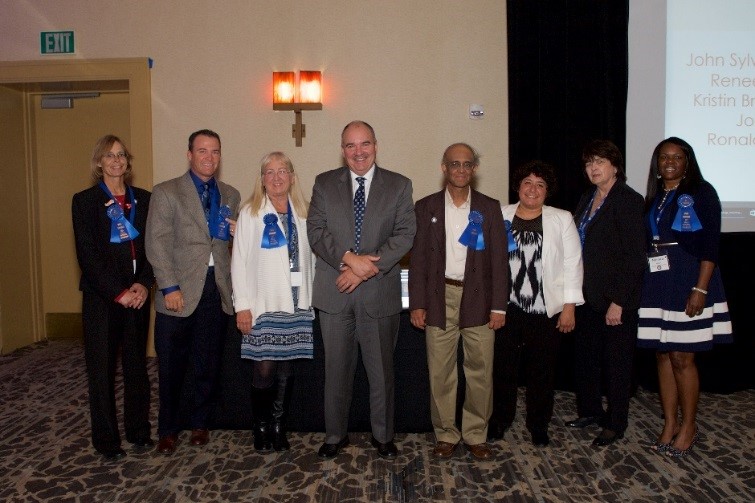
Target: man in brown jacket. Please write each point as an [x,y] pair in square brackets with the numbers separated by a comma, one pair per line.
[458,288]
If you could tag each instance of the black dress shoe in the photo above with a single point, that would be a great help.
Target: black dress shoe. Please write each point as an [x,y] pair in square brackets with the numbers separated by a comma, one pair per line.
[582,422]
[607,437]
[540,438]
[497,430]
[329,451]
[143,443]
[112,453]
[167,444]
[387,450]
[199,436]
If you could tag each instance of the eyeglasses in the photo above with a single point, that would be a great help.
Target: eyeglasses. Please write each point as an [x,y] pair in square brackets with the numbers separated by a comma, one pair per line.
[110,156]
[271,172]
[457,165]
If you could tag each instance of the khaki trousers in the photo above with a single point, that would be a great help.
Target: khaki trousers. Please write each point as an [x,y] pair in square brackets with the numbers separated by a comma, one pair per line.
[442,350]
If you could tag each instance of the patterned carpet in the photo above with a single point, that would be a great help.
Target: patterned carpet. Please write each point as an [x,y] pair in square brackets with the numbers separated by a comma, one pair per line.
[45,455]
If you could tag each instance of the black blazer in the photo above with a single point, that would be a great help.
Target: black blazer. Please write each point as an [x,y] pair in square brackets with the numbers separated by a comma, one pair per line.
[614,249]
[106,268]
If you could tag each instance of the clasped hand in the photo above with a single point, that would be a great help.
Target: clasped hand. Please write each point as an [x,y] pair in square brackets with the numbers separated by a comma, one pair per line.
[355,270]
[135,297]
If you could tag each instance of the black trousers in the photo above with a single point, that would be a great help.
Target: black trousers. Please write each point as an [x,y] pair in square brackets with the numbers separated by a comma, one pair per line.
[531,339]
[604,354]
[197,338]
[109,328]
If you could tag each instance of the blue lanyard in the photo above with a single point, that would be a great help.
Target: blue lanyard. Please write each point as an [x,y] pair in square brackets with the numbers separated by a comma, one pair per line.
[289,217]
[587,218]
[655,214]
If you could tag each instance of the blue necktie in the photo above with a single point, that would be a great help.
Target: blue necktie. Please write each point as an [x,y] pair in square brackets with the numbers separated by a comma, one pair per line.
[359,204]
[206,201]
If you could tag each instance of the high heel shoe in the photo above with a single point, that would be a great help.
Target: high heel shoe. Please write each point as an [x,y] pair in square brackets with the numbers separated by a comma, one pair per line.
[680,453]
[660,447]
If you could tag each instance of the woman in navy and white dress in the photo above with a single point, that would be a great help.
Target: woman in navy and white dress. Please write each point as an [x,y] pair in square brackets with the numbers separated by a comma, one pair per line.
[683,308]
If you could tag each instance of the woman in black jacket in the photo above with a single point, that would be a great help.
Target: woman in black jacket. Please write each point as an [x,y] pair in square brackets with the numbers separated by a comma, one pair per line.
[109,220]
[609,221]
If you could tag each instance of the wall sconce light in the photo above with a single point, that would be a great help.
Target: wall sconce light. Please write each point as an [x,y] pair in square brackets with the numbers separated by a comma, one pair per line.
[306,96]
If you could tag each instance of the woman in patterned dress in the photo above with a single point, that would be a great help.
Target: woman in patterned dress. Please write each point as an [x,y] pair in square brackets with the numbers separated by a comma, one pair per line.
[683,308]
[271,269]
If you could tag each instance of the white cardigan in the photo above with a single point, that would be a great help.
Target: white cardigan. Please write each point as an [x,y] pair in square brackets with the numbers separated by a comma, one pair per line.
[261,276]
[561,260]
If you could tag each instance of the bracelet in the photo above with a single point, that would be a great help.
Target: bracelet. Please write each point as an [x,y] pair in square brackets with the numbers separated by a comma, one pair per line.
[695,289]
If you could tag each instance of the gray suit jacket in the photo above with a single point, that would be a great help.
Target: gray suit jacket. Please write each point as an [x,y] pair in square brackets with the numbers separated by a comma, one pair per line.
[387,231]
[178,243]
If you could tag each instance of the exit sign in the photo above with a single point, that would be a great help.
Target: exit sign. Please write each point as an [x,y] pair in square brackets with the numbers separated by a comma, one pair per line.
[56,42]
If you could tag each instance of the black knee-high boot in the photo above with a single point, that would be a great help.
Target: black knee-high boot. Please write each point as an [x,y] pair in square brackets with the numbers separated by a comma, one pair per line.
[280,413]
[262,401]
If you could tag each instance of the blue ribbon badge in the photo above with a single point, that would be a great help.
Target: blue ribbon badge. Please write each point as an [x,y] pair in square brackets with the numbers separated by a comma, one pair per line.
[512,243]
[686,219]
[472,236]
[121,229]
[219,228]
[272,235]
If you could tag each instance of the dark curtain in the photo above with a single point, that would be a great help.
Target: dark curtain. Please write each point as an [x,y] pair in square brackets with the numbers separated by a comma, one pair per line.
[567,84]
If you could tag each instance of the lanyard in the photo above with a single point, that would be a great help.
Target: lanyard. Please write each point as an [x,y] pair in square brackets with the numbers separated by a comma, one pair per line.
[289,218]
[587,218]
[655,214]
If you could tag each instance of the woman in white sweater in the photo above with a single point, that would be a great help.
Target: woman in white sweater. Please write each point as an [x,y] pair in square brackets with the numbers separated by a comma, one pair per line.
[545,262]
[272,268]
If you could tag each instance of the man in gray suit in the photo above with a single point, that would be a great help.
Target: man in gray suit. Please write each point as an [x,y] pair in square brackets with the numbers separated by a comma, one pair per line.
[187,241]
[361,223]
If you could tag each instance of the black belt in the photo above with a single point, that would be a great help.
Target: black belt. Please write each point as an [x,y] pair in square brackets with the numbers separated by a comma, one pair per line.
[454,282]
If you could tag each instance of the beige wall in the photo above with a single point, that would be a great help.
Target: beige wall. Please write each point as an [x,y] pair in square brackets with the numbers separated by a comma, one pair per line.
[411,68]
[17,295]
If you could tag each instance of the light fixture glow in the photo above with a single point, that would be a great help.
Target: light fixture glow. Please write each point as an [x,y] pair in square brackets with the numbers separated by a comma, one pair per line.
[283,87]
[308,92]
[310,87]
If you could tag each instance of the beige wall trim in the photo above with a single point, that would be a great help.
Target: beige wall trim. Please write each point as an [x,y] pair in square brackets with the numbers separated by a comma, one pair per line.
[64,326]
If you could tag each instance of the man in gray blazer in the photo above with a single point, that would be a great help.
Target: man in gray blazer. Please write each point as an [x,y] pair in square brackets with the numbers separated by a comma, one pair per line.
[190,222]
[361,223]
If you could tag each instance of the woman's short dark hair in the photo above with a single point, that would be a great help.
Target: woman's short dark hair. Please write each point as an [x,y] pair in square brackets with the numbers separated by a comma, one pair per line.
[607,150]
[540,169]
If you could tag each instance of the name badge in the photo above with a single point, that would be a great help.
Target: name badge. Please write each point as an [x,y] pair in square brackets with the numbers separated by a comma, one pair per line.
[658,262]
[296,278]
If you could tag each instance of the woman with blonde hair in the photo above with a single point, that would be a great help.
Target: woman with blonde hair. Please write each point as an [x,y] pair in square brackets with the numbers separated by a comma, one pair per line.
[272,268]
